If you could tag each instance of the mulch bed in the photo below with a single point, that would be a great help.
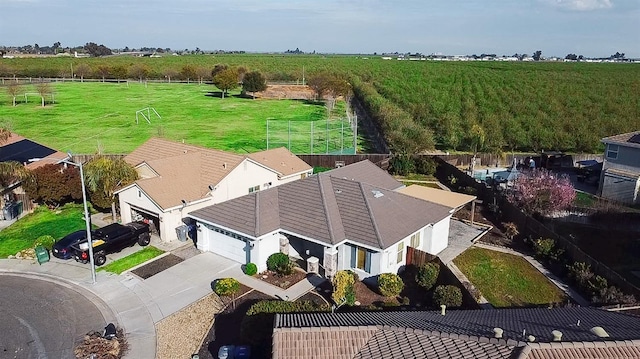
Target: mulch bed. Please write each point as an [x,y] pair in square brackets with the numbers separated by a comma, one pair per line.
[283,282]
[157,266]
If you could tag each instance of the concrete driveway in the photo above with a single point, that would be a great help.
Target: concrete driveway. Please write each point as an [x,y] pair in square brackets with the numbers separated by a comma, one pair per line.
[176,287]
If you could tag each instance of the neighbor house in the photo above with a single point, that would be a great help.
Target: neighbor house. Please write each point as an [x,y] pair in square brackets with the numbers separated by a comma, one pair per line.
[31,154]
[176,178]
[347,218]
[620,176]
[531,333]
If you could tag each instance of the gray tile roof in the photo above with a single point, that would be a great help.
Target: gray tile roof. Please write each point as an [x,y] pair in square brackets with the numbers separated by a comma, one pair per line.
[631,139]
[329,209]
[539,322]
[367,172]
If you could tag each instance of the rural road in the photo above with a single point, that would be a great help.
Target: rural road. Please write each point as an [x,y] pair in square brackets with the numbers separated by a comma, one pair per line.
[41,319]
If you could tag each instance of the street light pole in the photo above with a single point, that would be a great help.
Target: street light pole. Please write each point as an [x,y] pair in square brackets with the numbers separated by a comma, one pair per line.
[87,221]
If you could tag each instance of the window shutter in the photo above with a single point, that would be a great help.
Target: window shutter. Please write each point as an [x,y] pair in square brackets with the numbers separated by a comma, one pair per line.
[367,263]
[353,256]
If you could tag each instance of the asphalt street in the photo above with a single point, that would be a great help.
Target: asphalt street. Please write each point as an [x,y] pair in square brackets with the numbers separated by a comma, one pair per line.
[41,319]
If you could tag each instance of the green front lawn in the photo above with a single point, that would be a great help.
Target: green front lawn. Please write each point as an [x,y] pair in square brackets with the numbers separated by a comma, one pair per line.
[584,199]
[506,280]
[56,223]
[132,260]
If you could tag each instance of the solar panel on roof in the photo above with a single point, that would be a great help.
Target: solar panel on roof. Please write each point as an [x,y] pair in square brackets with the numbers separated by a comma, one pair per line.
[22,151]
[635,138]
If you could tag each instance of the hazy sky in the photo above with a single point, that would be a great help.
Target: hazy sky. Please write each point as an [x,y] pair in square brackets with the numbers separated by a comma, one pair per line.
[594,28]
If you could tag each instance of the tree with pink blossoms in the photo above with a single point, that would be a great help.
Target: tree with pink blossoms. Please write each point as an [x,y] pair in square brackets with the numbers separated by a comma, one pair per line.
[542,191]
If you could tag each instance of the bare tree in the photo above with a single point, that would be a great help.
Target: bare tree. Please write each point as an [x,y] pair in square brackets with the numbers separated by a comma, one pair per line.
[203,74]
[103,71]
[44,89]
[13,89]
[83,70]
[169,73]
[139,71]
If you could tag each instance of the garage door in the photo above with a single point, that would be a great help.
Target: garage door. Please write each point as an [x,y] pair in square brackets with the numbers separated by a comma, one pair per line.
[228,247]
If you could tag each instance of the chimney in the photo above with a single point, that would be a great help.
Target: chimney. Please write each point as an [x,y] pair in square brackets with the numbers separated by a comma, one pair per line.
[497,333]
[600,332]
[557,335]
[443,309]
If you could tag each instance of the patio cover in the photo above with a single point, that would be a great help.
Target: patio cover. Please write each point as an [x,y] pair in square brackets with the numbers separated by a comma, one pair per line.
[439,196]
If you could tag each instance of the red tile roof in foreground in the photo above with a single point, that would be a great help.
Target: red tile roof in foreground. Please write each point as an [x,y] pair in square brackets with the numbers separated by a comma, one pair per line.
[458,334]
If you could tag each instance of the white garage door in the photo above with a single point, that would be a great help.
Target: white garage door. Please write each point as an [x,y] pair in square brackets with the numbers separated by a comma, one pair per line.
[228,247]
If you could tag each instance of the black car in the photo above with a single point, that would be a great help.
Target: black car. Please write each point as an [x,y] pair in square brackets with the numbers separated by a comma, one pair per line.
[110,239]
[62,248]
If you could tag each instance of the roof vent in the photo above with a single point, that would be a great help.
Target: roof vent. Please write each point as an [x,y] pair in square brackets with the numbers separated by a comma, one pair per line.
[600,332]
[224,165]
[497,333]
[557,335]
[377,194]
[443,309]
[531,338]
[338,191]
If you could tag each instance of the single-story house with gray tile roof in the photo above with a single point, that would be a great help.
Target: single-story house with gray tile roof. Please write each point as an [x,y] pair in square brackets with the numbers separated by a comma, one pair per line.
[346,218]
[528,333]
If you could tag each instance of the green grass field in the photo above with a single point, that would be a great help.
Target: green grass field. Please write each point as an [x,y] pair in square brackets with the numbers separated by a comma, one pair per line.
[507,280]
[132,260]
[57,223]
[90,116]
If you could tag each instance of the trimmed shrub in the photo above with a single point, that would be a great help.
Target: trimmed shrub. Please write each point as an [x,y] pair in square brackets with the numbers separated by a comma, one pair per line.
[46,241]
[390,285]
[257,325]
[546,248]
[581,273]
[449,295]
[250,269]
[281,306]
[226,287]
[343,288]
[428,275]
[280,263]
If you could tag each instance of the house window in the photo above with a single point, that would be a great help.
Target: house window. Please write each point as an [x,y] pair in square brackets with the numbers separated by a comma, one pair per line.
[361,259]
[254,189]
[415,240]
[612,151]
[400,252]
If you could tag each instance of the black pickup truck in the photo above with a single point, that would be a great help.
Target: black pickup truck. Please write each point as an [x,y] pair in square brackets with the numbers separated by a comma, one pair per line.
[110,239]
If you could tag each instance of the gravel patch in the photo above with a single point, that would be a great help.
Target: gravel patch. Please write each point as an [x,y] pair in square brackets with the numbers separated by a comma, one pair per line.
[181,334]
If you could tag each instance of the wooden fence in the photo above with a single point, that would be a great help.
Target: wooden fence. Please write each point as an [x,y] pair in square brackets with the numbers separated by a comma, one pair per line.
[332,161]
[417,258]
[488,159]
[84,158]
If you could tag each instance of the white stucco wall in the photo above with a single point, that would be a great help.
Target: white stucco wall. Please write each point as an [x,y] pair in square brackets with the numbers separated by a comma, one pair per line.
[265,246]
[133,196]
[248,174]
[439,236]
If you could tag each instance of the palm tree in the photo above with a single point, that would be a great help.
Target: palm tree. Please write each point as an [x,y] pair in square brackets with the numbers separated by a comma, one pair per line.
[5,134]
[104,175]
